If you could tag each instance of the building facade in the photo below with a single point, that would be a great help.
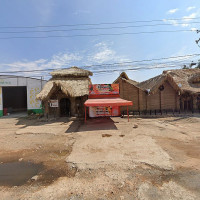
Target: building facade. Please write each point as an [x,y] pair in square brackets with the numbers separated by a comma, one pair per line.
[19,94]
[177,90]
[69,88]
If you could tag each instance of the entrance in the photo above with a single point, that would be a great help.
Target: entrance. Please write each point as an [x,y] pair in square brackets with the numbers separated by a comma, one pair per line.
[14,99]
[65,107]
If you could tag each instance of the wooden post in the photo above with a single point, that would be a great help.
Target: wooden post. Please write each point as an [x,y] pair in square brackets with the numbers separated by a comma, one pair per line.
[85,114]
[138,99]
[127,114]
[160,102]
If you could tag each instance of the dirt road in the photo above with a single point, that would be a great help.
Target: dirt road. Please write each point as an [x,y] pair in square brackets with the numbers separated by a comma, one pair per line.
[156,158]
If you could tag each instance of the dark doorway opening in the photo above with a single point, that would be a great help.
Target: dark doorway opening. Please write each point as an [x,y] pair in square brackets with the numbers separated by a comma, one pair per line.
[188,105]
[15,99]
[65,107]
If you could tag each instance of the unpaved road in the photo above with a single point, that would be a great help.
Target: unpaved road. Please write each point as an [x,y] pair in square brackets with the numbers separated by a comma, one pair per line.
[145,159]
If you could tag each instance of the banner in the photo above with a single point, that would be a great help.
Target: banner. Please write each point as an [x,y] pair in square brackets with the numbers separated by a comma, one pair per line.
[98,89]
[101,111]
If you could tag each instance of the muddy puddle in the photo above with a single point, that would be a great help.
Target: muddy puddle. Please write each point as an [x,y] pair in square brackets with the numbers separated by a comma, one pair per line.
[18,173]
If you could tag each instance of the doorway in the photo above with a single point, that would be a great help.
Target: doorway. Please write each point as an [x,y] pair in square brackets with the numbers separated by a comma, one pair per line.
[15,99]
[65,106]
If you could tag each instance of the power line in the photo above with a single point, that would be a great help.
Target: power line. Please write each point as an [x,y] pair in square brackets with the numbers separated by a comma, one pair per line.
[109,64]
[93,28]
[171,64]
[92,35]
[146,60]
[117,70]
[135,69]
[101,23]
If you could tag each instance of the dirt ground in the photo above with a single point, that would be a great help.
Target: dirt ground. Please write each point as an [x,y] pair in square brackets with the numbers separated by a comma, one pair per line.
[144,159]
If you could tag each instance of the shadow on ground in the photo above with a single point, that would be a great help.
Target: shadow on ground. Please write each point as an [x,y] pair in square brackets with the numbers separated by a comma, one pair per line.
[93,124]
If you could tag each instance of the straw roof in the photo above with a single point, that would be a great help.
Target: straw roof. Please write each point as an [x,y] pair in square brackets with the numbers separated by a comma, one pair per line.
[185,79]
[125,77]
[182,80]
[152,84]
[73,85]
[71,72]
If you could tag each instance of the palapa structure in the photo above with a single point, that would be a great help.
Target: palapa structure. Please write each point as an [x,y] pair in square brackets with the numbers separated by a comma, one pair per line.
[70,87]
[172,90]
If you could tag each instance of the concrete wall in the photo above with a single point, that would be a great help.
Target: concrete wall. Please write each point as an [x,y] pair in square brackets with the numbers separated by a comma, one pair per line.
[1,102]
[34,86]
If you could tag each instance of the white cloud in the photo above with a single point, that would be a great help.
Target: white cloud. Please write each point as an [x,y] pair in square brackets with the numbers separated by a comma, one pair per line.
[172,11]
[190,8]
[190,17]
[57,61]
[194,29]
[185,20]
[101,52]
[171,21]
[185,25]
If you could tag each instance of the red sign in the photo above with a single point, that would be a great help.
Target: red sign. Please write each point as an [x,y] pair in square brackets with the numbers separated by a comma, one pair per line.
[98,89]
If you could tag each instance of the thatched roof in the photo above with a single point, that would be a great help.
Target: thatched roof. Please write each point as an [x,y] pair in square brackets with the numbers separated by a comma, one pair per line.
[124,76]
[71,72]
[181,80]
[152,84]
[73,85]
[185,79]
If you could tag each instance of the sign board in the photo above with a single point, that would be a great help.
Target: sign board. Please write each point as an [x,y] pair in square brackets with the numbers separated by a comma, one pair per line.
[101,111]
[54,103]
[98,89]
[8,82]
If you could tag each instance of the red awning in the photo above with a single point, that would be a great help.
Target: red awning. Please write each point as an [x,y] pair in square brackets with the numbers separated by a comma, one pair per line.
[108,102]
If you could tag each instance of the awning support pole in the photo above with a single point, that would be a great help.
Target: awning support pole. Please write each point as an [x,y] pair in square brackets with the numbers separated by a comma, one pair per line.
[85,114]
[127,113]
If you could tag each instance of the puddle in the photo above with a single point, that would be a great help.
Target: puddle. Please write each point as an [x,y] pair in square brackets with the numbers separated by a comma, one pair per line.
[18,173]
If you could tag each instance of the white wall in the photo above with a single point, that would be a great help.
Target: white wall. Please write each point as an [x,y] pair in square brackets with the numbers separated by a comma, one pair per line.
[34,86]
[1,99]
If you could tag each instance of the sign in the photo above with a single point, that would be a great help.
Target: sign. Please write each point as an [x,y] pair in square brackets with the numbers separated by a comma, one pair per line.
[8,82]
[54,103]
[101,111]
[98,89]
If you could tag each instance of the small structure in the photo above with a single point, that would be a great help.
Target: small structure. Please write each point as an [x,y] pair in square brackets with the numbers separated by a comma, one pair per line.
[104,101]
[130,91]
[172,90]
[18,94]
[65,93]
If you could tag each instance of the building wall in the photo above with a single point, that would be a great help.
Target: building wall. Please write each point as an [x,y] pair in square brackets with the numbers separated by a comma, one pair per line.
[153,101]
[1,103]
[76,104]
[169,97]
[34,86]
[134,94]
[166,99]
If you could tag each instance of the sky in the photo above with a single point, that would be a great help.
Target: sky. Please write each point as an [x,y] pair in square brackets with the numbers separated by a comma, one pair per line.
[96,35]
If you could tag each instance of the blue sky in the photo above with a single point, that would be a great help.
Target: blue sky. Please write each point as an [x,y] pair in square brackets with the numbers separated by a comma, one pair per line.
[31,54]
